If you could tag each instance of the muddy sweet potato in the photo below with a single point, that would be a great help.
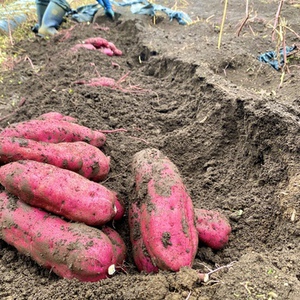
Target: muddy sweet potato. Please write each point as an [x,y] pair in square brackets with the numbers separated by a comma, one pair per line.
[97,42]
[118,243]
[167,220]
[103,45]
[213,228]
[54,131]
[70,250]
[80,157]
[59,191]
[83,46]
[140,254]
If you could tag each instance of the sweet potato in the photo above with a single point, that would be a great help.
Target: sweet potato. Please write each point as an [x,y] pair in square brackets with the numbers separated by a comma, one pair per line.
[213,228]
[114,49]
[99,81]
[80,157]
[118,245]
[53,115]
[70,250]
[141,256]
[59,191]
[54,131]
[83,46]
[167,213]
[97,42]
[106,51]
[103,45]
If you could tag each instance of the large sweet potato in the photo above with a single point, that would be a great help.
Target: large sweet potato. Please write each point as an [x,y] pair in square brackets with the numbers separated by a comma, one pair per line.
[59,191]
[71,250]
[80,157]
[213,228]
[54,131]
[140,254]
[167,214]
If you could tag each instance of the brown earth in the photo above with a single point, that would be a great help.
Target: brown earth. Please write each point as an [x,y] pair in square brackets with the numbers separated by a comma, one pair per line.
[218,114]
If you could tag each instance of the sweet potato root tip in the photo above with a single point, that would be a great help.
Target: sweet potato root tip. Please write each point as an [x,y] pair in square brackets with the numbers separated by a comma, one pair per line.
[70,250]
[120,209]
[59,191]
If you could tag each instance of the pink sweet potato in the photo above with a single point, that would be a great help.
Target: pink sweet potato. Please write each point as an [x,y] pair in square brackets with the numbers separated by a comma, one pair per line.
[70,250]
[53,115]
[80,157]
[115,50]
[54,131]
[83,46]
[167,213]
[59,191]
[97,42]
[213,228]
[141,256]
[106,51]
[118,245]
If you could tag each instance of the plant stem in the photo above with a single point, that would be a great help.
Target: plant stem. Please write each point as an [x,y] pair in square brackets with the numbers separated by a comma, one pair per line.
[222,24]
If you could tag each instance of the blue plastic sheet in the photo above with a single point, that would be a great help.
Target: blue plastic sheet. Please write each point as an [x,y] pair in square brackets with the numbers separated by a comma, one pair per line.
[143,7]
[271,57]
[83,13]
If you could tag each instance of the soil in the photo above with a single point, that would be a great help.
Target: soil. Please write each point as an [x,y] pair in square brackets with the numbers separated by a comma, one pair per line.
[218,114]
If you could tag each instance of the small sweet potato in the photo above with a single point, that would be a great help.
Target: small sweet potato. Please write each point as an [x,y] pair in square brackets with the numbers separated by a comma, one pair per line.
[83,46]
[80,157]
[213,228]
[167,214]
[70,250]
[97,42]
[59,191]
[106,51]
[141,256]
[118,245]
[115,50]
[54,131]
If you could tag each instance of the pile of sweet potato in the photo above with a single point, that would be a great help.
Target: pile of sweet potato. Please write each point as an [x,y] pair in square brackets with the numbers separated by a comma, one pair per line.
[55,209]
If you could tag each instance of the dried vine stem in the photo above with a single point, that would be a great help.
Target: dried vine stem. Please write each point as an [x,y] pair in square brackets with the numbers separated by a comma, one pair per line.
[222,23]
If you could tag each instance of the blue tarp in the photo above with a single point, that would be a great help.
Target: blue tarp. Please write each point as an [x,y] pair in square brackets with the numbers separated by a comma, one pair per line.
[271,57]
[143,7]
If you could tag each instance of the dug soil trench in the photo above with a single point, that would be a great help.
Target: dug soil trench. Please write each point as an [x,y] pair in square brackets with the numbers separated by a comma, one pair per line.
[216,113]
